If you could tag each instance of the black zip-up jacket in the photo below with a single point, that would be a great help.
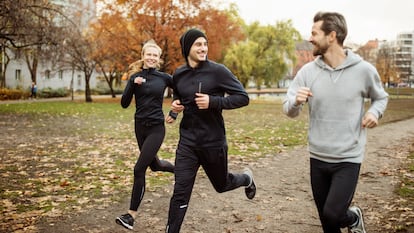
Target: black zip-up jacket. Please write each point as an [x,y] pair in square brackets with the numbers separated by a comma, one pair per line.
[205,127]
[149,96]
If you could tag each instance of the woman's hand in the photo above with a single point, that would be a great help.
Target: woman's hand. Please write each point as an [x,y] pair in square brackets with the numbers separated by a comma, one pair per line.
[139,80]
[176,106]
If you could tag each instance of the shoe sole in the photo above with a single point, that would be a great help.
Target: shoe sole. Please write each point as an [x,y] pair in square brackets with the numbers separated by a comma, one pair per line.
[246,191]
[120,222]
[358,212]
[361,219]
[252,186]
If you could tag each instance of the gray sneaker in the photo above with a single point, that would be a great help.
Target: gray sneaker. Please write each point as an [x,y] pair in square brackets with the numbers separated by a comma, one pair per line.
[359,226]
[250,190]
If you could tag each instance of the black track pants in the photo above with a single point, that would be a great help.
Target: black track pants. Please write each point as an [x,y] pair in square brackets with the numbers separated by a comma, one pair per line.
[187,162]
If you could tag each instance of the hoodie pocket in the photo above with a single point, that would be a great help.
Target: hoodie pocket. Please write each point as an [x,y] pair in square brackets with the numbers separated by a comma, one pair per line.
[332,136]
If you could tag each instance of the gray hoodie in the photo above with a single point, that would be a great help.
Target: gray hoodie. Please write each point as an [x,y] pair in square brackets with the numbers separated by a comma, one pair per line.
[336,108]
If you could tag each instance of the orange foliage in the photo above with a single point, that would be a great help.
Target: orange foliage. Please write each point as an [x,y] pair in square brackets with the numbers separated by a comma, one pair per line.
[221,32]
[127,25]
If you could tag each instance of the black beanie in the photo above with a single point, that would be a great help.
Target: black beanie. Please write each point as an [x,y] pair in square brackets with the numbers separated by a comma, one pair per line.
[187,40]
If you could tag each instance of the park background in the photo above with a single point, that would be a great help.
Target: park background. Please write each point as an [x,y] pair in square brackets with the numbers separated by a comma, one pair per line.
[70,47]
[73,148]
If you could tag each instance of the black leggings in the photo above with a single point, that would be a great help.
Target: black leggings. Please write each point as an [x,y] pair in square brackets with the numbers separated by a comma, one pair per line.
[333,187]
[187,162]
[149,140]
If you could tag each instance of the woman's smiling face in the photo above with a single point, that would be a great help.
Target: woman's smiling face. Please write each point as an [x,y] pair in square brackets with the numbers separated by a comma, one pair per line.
[151,57]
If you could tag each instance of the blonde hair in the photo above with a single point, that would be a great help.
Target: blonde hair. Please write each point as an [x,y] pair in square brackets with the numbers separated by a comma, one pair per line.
[137,66]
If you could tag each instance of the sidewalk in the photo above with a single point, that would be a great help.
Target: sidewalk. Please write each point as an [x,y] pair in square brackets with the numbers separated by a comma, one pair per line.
[69,98]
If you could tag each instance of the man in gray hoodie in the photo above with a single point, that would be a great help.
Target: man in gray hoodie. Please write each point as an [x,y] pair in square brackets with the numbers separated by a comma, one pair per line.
[336,86]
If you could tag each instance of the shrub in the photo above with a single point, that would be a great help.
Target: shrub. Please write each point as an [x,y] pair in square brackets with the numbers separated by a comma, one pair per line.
[105,91]
[51,93]
[13,94]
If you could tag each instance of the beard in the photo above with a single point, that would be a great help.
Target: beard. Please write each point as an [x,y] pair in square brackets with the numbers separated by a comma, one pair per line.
[319,49]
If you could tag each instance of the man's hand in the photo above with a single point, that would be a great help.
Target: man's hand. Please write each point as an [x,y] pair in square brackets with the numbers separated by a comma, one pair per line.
[369,120]
[202,100]
[302,95]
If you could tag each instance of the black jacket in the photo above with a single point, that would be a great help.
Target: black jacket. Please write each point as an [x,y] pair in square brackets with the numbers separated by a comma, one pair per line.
[205,128]
[149,96]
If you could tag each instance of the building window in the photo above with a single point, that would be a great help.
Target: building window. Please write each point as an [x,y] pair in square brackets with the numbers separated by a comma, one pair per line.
[18,74]
[47,74]
[79,81]
[60,74]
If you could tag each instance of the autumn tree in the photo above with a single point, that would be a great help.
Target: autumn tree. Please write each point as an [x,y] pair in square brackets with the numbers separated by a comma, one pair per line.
[77,44]
[28,26]
[78,54]
[130,24]
[223,29]
[110,55]
[385,65]
[44,40]
[21,21]
[265,56]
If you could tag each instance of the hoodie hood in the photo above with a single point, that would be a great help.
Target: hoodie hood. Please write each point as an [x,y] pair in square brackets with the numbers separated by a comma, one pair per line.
[350,60]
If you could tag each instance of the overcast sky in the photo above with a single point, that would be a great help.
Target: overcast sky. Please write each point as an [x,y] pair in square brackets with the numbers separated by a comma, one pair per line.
[366,19]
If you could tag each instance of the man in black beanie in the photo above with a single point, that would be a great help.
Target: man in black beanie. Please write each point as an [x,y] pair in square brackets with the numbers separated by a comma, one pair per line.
[202,89]
[187,40]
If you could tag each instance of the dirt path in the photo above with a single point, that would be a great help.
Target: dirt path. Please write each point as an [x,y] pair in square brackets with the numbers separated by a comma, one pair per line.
[283,202]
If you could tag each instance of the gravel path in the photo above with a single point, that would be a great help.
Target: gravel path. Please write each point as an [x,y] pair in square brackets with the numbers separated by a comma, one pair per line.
[283,202]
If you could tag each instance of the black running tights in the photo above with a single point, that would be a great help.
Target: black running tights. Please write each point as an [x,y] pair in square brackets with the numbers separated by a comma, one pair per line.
[149,140]
[333,187]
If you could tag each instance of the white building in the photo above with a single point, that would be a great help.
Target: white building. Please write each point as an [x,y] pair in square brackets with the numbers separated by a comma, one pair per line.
[405,56]
[18,75]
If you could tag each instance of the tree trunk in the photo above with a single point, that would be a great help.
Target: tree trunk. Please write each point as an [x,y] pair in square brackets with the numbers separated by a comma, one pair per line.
[31,57]
[3,66]
[3,75]
[112,91]
[34,73]
[88,97]
[110,84]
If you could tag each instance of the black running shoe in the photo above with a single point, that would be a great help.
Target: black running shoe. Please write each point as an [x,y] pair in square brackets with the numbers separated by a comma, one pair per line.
[250,190]
[126,221]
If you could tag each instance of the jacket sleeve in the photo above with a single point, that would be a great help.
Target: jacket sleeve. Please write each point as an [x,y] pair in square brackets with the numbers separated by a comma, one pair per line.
[169,81]
[175,95]
[128,93]
[235,95]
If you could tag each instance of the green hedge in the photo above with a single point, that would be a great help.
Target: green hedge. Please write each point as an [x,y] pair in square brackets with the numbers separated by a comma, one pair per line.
[105,91]
[52,93]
